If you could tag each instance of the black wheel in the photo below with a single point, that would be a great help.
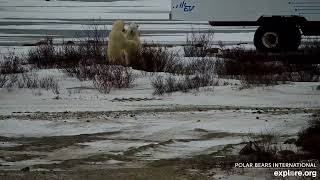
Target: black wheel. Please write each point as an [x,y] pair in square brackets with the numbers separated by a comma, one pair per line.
[277,38]
[267,38]
[293,38]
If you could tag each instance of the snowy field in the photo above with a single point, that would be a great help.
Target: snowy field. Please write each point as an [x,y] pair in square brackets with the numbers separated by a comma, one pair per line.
[81,128]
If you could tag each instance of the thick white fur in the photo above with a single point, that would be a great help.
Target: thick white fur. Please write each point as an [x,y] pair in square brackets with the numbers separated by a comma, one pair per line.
[124,45]
[134,45]
[117,44]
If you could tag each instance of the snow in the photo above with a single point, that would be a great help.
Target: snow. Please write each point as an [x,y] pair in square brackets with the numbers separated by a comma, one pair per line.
[158,127]
[87,149]
[8,144]
[26,163]
[186,149]
[38,128]
[172,134]
[81,96]
[175,134]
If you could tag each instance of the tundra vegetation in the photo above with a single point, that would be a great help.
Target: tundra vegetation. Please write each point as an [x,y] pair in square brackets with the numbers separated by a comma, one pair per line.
[86,59]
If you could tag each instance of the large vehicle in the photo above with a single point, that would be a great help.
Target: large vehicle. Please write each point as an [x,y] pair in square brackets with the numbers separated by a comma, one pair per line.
[281,23]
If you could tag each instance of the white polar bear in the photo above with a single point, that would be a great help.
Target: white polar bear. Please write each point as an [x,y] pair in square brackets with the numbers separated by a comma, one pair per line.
[134,45]
[117,44]
[124,45]
[133,33]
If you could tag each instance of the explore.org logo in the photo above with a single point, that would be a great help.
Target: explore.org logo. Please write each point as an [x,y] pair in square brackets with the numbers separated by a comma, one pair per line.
[184,6]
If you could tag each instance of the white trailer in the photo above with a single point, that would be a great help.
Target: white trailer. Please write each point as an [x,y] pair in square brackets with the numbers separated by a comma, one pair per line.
[280,22]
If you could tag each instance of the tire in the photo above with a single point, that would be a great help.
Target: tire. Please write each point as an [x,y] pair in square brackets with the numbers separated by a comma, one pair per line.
[277,38]
[267,38]
[293,38]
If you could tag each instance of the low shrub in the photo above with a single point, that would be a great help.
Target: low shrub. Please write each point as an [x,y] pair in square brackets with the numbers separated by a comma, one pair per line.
[93,42]
[155,59]
[308,138]
[112,76]
[90,49]
[255,69]
[11,64]
[30,81]
[3,80]
[44,55]
[260,147]
[204,65]
[8,80]
[198,43]
[82,72]
[171,84]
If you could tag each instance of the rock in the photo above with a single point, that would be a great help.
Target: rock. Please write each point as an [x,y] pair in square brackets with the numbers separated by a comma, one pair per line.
[290,141]
[26,169]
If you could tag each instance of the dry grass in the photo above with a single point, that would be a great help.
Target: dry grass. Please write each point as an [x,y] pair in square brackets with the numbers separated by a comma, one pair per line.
[308,138]
[111,76]
[89,49]
[170,84]
[254,69]
[156,59]
[30,81]
[198,43]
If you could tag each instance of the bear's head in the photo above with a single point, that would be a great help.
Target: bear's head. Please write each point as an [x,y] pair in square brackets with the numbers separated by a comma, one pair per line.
[118,26]
[132,31]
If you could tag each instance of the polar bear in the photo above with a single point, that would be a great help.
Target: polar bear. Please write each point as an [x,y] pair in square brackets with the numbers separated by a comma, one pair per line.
[133,45]
[133,33]
[117,44]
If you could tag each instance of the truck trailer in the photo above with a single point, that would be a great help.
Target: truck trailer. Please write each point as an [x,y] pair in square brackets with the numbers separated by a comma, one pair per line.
[281,23]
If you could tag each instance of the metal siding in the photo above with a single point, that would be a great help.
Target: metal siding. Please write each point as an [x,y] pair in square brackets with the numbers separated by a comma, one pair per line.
[243,10]
[310,9]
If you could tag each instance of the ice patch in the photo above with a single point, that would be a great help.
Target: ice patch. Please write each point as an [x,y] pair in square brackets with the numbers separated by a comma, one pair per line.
[38,128]
[8,144]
